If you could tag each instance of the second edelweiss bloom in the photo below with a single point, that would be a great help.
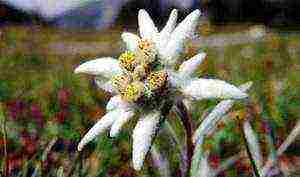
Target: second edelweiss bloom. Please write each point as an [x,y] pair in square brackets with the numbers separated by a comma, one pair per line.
[144,83]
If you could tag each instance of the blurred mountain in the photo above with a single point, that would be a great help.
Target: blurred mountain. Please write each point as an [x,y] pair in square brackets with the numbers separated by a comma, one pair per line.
[99,14]
[84,13]
[68,13]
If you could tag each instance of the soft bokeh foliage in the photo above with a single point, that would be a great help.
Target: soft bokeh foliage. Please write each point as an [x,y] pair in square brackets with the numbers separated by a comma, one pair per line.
[43,103]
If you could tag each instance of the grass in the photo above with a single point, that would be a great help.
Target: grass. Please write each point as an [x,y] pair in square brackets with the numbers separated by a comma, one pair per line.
[42,99]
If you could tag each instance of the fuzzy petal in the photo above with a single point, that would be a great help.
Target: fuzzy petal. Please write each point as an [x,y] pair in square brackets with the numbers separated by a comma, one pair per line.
[106,67]
[190,66]
[165,33]
[178,80]
[142,135]
[253,144]
[146,25]
[105,85]
[104,123]
[179,36]
[216,114]
[125,116]
[116,102]
[131,40]
[212,88]
[170,25]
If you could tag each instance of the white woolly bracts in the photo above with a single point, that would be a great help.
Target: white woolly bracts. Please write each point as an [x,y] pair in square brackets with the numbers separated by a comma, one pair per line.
[144,78]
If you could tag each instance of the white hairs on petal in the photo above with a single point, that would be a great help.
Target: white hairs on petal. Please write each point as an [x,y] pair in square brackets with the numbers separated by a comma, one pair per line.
[106,67]
[116,102]
[212,88]
[142,135]
[125,116]
[146,26]
[190,66]
[164,35]
[105,84]
[216,114]
[104,123]
[131,41]
[171,23]
[179,36]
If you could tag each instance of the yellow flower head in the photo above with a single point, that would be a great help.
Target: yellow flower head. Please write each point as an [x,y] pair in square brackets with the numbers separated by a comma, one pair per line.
[120,82]
[157,80]
[146,51]
[134,91]
[128,60]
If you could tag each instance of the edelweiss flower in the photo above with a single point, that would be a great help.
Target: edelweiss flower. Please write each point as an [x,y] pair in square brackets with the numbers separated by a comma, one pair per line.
[144,82]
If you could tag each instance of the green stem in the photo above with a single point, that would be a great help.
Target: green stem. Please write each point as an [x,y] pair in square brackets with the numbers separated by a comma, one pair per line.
[5,160]
[185,118]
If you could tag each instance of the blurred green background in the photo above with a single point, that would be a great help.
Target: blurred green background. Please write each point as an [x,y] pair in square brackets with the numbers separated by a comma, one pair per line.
[46,108]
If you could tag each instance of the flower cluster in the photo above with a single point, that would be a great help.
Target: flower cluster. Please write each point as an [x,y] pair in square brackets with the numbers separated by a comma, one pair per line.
[143,77]
[144,80]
